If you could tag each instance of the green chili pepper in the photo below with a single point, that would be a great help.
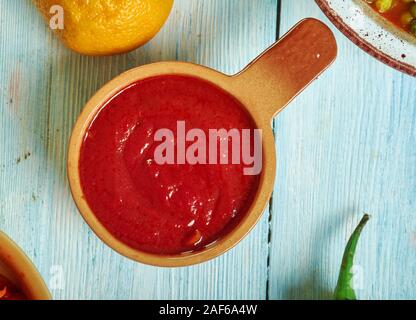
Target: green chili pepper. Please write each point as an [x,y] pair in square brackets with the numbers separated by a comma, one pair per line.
[344,290]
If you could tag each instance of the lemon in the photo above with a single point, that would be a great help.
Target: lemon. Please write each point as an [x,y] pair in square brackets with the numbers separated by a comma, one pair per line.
[105,27]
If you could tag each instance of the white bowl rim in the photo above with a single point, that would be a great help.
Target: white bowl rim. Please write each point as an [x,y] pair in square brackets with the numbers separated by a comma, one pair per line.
[375,35]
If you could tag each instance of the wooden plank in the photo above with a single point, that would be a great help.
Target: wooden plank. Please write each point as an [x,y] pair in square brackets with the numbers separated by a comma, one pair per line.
[345,146]
[43,88]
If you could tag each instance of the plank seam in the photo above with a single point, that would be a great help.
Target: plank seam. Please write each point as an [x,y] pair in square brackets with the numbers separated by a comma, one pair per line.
[269,236]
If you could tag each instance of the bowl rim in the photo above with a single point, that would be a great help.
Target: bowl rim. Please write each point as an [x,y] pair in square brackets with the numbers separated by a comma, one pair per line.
[259,202]
[22,267]
[362,43]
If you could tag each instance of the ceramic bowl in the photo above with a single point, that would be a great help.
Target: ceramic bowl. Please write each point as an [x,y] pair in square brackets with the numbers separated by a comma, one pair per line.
[16,267]
[373,33]
[264,87]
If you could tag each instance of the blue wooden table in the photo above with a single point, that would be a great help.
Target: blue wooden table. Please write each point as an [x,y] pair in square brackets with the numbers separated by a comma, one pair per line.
[346,146]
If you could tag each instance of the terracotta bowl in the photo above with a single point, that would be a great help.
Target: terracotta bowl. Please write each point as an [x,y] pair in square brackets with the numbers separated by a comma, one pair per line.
[16,267]
[264,87]
[373,33]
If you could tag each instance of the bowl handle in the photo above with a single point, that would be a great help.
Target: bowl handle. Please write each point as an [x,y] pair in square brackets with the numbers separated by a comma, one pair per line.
[287,67]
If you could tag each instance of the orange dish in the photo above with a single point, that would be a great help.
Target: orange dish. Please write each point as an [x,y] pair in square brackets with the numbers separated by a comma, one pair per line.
[8,291]
[19,279]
